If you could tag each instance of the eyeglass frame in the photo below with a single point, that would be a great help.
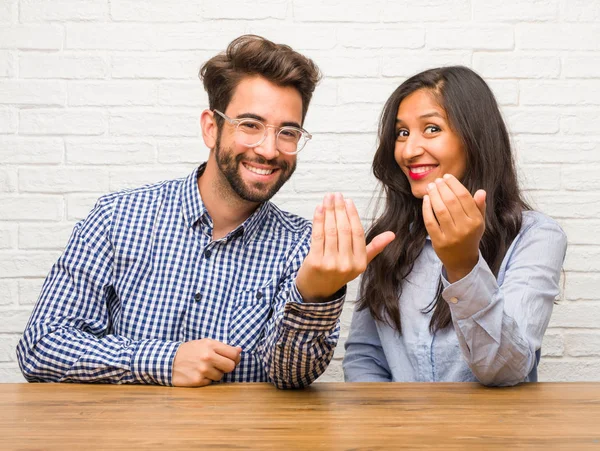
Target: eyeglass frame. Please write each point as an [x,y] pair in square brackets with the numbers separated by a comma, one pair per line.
[236,122]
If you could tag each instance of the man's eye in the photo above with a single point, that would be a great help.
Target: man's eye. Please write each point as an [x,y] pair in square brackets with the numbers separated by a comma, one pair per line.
[249,125]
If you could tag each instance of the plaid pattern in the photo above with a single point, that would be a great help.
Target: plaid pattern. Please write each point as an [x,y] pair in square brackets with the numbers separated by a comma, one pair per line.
[141,274]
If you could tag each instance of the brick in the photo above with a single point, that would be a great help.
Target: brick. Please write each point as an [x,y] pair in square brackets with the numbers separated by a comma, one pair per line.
[8,180]
[171,65]
[366,90]
[582,231]
[44,236]
[8,120]
[62,122]
[23,150]
[515,10]
[176,123]
[29,291]
[336,11]
[301,37]
[581,11]
[127,178]
[62,10]
[63,180]
[8,346]
[182,93]
[557,36]
[531,121]
[576,177]
[472,37]
[333,373]
[157,11]
[584,123]
[417,12]
[409,64]
[64,65]
[583,344]
[11,374]
[113,151]
[326,94]
[348,66]
[247,10]
[26,264]
[582,92]
[572,370]
[8,292]
[582,286]
[542,149]
[511,65]
[80,205]
[304,204]
[5,63]
[154,37]
[175,151]
[31,37]
[105,93]
[578,204]
[583,259]
[24,208]
[334,178]
[576,315]
[351,119]
[14,321]
[19,92]
[506,92]
[8,11]
[8,235]
[581,66]
[553,344]
[369,37]
[340,148]
[537,177]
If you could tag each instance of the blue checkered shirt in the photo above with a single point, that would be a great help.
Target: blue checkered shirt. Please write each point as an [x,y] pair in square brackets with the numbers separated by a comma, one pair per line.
[141,274]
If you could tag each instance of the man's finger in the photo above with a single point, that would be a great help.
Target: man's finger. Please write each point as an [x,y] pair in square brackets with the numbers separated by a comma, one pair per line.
[358,232]
[230,352]
[378,244]
[331,238]
[317,241]
[344,230]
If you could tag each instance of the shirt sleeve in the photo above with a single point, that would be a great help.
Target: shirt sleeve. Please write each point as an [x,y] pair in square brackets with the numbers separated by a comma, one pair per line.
[500,326]
[365,360]
[300,337]
[68,336]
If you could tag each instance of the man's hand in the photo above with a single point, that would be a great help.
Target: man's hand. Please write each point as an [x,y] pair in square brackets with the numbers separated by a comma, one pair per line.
[338,252]
[455,221]
[200,362]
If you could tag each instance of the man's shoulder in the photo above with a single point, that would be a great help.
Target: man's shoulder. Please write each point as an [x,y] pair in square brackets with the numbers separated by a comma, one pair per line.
[286,222]
[140,196]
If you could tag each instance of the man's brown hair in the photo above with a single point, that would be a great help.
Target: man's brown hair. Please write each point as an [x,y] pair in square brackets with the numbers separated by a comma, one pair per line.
[254,55]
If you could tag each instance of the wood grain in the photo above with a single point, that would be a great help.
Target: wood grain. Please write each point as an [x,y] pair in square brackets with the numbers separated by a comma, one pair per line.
[333,416]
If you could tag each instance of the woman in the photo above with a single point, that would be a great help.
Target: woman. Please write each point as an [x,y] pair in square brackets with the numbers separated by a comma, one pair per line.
[466,289]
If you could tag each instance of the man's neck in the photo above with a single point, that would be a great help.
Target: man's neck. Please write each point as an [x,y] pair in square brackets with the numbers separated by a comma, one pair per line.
[224,206]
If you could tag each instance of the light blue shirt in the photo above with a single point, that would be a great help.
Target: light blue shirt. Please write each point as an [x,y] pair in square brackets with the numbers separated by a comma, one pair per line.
[497,325]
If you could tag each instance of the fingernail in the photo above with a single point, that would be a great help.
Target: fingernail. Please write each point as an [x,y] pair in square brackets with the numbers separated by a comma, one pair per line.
[438,180]
[320,209]
[349,202]
[338,196]
[431,186]
[447,176]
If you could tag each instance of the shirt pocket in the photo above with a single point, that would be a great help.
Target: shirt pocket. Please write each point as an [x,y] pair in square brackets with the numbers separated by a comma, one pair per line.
[251,312]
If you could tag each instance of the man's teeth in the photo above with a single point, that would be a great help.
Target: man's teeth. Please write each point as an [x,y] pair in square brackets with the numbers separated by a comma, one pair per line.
[259,171]
[421,169]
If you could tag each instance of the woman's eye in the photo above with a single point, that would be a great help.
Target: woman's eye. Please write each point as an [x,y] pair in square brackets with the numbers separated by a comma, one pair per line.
[432,129]
[402,133]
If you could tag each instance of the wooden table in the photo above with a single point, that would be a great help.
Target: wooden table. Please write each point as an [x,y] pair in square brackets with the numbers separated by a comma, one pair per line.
[332,416]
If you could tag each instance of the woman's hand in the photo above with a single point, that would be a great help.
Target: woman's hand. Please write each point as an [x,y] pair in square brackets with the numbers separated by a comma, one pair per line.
[455,221]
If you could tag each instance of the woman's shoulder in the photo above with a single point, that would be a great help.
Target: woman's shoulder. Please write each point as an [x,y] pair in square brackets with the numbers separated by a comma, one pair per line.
[535,224]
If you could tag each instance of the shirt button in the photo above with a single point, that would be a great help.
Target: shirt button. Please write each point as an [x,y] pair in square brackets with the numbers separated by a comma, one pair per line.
[259,295]
[206,253]
[197,296]
[454,299]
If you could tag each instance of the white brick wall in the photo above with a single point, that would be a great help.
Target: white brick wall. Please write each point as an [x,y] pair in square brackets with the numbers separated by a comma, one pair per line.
[98,95]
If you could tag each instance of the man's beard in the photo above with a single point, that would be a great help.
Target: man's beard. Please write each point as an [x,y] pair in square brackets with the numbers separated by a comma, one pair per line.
[256,192]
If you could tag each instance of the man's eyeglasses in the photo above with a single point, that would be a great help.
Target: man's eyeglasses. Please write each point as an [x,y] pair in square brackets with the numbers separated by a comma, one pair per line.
[252,132]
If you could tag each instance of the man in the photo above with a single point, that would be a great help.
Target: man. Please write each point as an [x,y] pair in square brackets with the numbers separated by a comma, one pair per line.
[202,279]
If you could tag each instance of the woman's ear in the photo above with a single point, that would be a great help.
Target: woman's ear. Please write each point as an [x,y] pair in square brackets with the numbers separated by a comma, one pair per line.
[209,128]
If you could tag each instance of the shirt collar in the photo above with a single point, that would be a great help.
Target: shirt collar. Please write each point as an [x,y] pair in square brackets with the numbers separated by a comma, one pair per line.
[194,209]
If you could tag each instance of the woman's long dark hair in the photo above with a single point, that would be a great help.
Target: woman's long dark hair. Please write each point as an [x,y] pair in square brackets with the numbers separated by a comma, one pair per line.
[474,116]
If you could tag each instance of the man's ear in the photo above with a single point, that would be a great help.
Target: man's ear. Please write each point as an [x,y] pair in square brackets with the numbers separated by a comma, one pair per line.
[209,128]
